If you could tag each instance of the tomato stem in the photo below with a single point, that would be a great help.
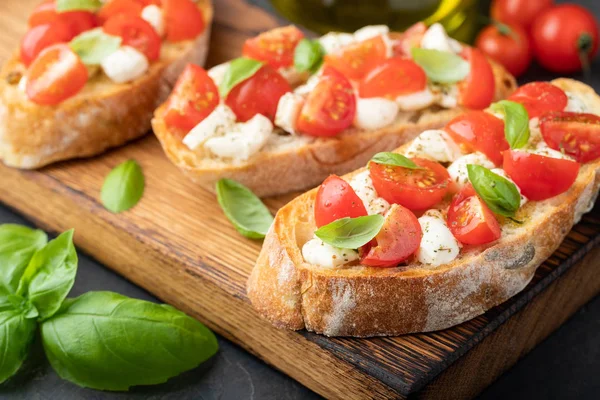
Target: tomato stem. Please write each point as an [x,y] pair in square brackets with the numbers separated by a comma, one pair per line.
[585,43]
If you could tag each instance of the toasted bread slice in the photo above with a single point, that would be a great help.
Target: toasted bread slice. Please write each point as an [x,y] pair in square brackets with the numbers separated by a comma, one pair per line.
[103,115]
[366,301]
[295,162]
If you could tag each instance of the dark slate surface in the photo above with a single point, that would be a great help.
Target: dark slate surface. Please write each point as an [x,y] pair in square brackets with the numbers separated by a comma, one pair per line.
[565,366]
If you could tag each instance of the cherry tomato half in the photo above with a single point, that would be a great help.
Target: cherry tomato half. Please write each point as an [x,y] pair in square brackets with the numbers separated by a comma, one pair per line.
[415,189]
[336,199]
[42,36]
[508,45]
[78,21]
[355,60]
[470,220]
[392,78]
[539,177]
[122,7]
[55,75]
[577,134]
[136,33]
[275,47]
[399,238]
[539,98]
[518,12]
[183,20]
[478,89]
[409,38]
[330,107]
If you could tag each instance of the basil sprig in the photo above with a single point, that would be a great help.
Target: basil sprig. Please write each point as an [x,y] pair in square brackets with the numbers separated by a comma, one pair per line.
[123,187]
[244,209]
[72,5]
[94,45]
[394,159]
[351,233]
[516,122]
[441,66]
[308,55]
[100,340]
[17,246]
[500,194]
[238,71]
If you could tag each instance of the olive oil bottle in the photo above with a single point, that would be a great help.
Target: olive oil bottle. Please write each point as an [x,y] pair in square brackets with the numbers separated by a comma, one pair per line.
[459,17]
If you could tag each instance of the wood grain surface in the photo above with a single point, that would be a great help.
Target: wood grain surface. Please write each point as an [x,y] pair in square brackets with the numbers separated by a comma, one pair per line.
[177,244]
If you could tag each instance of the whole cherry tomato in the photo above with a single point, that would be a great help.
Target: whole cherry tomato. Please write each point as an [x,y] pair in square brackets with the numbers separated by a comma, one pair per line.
[563,36]
[518,12]
[508,45]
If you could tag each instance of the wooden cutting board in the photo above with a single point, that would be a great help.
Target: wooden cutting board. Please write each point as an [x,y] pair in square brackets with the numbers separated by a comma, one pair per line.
[177,244]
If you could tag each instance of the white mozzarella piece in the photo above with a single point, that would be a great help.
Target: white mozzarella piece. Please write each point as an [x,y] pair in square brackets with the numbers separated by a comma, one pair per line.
[449,97]
[153,14]
[309,86]
[502,173]
[221,120]
[375,113]
[316,252]
[288,110]
[434,144]
[291,75]
[458,169]
[370,31]
[245,139]
[418,100]
[217,73]
[436,38]
[334,41]
[438,245]
[575,104]
[542,149]
[22,84]
[364,189]
[124,65]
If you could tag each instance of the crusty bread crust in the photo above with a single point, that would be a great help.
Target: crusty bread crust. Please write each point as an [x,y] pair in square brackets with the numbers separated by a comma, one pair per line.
[101,116]
[362,301]
[300,165]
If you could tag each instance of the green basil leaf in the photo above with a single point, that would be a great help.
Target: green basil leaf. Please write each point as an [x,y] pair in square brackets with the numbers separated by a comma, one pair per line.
[94,45]
[106,341]
[123,187]
[50,275]
[238,71]
[441,66]
[516,122]
[20,304]
[351,233]
[308,55]
[395,159]
[500,194]
[16,335]
[17,245]
[246,212]
[71,5]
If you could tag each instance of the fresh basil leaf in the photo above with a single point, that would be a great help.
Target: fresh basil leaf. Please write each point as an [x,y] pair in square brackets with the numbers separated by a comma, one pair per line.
[94,45]
[500,194]
[106,341]
[17,245]
[351,233]
[238,71]
[20,304]
[16,335]
[395,159]
[71,5]
[50,275]
[308,55]
[246,212]
[123,187]
[516,122]
[441,66]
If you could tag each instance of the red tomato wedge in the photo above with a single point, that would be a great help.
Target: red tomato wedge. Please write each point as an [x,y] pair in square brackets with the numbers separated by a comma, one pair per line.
[392,78]
[357,59]
[577,134]
[479,131]
[55,75]
[275,47]
[258,94]
[478,89]
[194,97]
[330,107]
[183,20]
[539,98]
[539,177]
[42,36]
[120,7]
[410,38]
[470,220]
[415,189]
[78,21]
[399,238]
[136,33]
[336,199]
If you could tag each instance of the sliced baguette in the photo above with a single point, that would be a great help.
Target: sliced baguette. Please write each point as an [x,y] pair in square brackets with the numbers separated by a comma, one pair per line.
[290,163]
[363,301]
[103,115]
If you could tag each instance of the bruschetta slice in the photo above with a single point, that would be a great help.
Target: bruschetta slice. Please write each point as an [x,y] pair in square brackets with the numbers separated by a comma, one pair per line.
[293,110]
[89,75]
[443,229]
